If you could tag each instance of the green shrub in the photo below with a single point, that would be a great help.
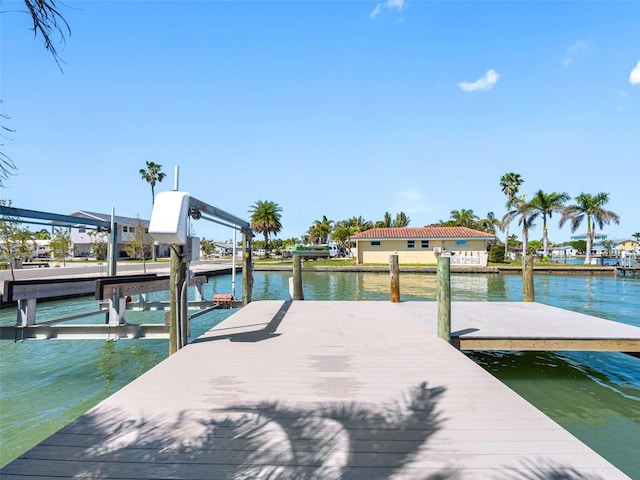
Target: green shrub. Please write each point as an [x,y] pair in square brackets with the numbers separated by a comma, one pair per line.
[496,254]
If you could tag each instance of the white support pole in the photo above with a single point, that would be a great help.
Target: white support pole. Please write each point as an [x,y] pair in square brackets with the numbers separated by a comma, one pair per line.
[26,312]
[113,245]
[233,266]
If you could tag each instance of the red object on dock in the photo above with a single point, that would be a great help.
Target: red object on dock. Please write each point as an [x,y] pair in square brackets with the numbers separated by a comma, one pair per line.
[222,298]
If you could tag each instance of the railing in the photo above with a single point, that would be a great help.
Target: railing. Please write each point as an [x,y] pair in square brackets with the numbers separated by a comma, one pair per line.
[479,260]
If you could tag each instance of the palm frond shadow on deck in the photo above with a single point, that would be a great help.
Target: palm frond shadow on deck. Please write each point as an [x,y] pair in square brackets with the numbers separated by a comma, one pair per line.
[269,440]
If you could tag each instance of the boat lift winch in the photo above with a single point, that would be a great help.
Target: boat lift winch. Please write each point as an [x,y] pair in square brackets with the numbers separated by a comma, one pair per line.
[172,212]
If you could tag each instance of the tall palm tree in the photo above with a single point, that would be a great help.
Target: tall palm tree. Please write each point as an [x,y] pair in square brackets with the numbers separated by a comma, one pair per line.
[265,219]
[524,212]
[545,204]
[151,175]
[510,183]
[592,208]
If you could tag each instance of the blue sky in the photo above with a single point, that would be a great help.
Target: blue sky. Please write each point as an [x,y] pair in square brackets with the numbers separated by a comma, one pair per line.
[326,107]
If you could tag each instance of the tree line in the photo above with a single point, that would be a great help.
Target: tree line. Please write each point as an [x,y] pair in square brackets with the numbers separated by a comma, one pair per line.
[586,208]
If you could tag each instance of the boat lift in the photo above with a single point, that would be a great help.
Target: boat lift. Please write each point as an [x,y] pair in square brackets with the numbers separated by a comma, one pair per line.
[169,224]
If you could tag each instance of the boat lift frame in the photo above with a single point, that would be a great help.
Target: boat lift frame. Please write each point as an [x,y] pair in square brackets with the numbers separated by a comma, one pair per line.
[172,211]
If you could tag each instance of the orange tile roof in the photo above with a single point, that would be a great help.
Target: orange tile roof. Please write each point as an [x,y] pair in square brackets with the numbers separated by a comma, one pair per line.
[422,232]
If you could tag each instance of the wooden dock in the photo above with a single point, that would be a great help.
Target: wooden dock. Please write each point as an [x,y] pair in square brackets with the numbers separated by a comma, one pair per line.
[325,390]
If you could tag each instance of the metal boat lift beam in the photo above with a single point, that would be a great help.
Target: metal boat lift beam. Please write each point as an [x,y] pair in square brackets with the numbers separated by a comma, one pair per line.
[60,220]
[199,207]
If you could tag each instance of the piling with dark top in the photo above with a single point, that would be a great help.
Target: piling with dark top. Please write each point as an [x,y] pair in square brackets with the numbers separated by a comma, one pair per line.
[443,297]
[394,271]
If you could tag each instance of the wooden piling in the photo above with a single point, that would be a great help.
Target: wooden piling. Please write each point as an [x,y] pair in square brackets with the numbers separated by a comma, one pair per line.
[527,279]
[443,297]
[176,312]
[394,271]
[298,293]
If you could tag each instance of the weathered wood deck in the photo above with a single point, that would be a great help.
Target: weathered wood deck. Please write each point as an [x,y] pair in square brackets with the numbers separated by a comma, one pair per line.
[322,390]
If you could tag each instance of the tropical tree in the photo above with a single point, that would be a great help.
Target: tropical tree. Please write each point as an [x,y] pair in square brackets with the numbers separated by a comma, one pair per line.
[401,220]
[488,224]
[152,174]
[524,212]
[510,183]
[98,244]
[16,242]
[359,224]
[591,208]
[320,230]
[342,235]
[636,236]
[545,204]
[42,234]
[265,219]
[138,246]
[46,19]
[386,221]
[463,218]
[208,247]
[61,244]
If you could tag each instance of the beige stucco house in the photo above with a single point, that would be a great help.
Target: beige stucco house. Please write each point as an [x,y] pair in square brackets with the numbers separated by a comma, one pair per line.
[422,245]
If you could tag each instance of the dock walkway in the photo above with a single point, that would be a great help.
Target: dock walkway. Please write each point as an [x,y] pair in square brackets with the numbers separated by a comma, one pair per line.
[319,390]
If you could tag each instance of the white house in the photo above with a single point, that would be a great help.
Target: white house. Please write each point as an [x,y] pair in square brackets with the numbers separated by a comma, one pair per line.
[81,240]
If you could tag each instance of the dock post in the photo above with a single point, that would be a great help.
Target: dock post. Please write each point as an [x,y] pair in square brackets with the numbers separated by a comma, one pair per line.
[176,280]
[443,297]
[527,279]
[298,294]
[394,271]
[247,268]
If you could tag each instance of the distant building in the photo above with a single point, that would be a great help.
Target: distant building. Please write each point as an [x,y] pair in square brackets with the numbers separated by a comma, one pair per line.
[81,239]
[423,245]
[626,247]
[598,238]
[563,252]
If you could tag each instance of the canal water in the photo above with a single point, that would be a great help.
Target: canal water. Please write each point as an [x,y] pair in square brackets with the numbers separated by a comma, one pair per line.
[594,395]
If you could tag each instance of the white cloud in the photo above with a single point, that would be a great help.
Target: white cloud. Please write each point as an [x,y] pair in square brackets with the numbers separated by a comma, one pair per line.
[486,82]
[634,77]
[389,4]
[574,50]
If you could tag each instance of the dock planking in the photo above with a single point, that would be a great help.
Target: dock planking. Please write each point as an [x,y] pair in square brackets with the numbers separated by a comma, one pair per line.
[331,390]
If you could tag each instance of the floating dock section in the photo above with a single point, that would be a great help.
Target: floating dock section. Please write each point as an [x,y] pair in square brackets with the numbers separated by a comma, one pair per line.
[323,390]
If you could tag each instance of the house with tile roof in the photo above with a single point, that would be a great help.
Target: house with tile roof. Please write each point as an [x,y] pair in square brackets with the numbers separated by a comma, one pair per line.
[423,245]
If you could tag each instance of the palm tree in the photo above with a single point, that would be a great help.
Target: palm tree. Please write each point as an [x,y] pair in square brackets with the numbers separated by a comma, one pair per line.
[342,235]
[488,224]
[151,175]
[636,236]
[545,204]
[463,218]
[265,219]
[320,230]
[524,211]
[401,220]
[510,183]
[359,224]
[592,208]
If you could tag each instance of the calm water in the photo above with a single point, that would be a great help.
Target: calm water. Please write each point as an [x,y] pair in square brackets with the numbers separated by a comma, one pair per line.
[596,396]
